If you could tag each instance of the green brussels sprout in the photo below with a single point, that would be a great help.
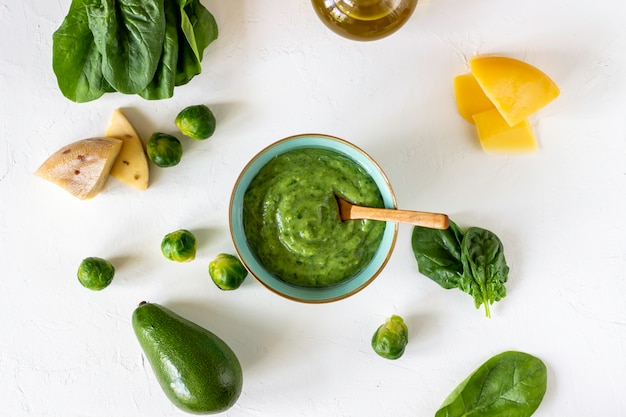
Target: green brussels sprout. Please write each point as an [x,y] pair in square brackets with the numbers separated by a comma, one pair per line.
[391,338]
[196,122]
[179,246]
[227,272]
[95,273]
[164,150]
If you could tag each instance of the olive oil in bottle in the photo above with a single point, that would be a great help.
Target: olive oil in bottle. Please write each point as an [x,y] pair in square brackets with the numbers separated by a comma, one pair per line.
[364,20]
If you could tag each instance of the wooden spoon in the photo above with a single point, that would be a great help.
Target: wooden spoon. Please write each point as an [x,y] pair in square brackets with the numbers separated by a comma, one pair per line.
[349,211]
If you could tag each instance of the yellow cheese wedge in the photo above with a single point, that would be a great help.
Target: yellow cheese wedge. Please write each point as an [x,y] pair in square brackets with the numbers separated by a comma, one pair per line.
[81,168]
[470,98]
[517,89]
[131,165]
[496,136]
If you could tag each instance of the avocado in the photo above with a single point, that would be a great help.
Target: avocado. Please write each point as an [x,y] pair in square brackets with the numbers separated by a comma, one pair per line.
[196,369]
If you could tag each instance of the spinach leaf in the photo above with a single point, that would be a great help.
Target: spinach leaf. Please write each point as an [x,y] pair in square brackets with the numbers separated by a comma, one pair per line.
[144,47]
[472,261]
[129,35]
[197,30]
[187,66]
[510,384]
[485,269]
[438,254]
[76,62]
[187,28]
[162,84]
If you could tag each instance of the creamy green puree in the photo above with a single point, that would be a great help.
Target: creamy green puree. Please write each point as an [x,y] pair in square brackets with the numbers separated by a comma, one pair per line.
[292,222]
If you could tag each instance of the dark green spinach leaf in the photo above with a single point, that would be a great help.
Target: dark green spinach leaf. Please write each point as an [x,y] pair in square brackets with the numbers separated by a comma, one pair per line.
[473,261]
[510,384]
[484,266]
[146,47]
[76,61]
[197,30]
[129,35]
[438,254]
[162,84]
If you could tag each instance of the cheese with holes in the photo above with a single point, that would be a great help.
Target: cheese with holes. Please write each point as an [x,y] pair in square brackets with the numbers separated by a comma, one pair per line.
[496,136]
[131,165]
[516,89]
[81,168]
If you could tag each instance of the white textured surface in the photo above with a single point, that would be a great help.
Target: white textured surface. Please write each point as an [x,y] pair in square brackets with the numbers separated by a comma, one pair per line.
[276,71]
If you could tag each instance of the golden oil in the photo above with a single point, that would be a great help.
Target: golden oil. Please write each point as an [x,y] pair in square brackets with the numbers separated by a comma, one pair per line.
[364,20]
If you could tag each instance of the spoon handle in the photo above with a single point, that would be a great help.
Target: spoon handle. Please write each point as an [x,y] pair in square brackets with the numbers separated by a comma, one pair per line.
[416,218]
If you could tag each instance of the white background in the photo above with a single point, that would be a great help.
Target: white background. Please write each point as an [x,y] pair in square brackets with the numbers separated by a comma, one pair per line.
[276,71]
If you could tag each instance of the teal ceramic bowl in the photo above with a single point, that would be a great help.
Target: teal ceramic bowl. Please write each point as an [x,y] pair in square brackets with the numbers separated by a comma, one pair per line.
[345,288]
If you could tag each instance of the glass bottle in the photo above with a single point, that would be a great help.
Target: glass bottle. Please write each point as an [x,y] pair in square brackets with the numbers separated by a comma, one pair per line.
[364,20]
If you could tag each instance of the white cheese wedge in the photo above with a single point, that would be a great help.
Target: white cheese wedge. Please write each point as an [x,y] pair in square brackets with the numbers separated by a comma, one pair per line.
[81,168]
[131,165]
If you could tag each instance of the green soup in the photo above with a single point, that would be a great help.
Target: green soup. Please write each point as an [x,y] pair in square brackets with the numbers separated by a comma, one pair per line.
[292,223]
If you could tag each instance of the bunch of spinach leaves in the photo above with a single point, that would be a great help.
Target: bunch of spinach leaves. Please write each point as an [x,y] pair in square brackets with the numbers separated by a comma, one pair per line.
[510,384]
[472,261]
[144,47]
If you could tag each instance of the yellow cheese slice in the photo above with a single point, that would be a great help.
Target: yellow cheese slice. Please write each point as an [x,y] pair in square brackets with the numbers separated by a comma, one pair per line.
[470,98]
[81,168]
[131,165]
[496,136]
[517,89]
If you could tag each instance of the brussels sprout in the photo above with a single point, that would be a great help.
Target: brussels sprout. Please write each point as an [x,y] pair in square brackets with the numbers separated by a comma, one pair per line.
[391,338]
[164,150]
[179,246]
[197,122]
[227,272]
[95,273]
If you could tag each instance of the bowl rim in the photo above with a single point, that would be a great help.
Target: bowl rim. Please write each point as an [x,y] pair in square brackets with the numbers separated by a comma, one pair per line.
[248,258]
